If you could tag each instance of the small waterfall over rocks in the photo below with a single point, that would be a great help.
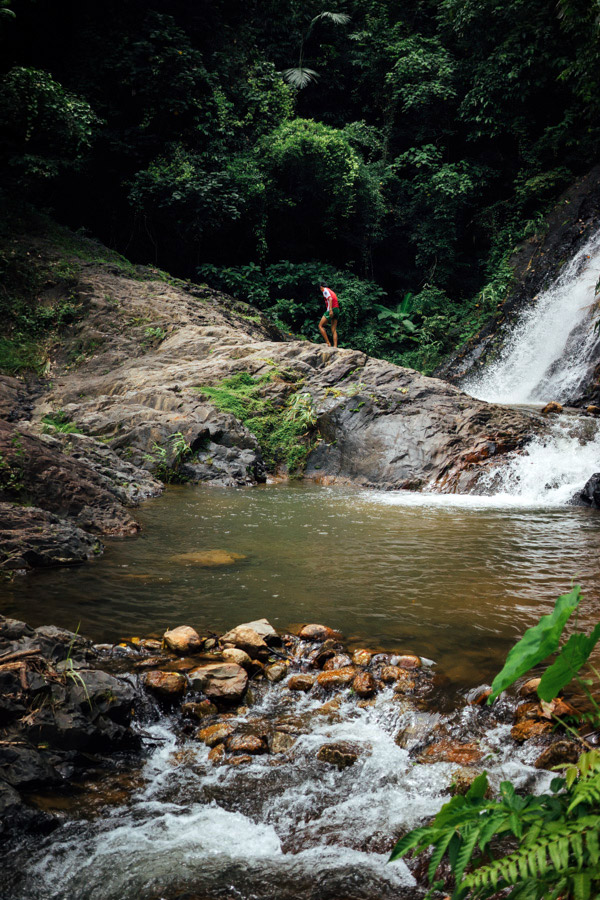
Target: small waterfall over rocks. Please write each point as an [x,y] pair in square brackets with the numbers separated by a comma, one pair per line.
[549,356]
[554,344]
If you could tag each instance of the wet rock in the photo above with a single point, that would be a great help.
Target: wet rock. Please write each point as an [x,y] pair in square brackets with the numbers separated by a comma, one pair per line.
[480,697]
[558,753]
[317,633]
[466,754]
[207,558]
[529,710]
[529,728]
[593,410]
[23,767]
[276,672]
[200,710]
[215,734]
[239,657]
[590,493]
[264,628]
[337,678]
[340,754]
[552,407]
[246,639]
[225,682]
[404,684]
[529,689]
[238,760]
[246,743]
[418,730]
[168,686]
[329,709]
[281,742]
[151,645]
[364,685]
[392,673]
[339,661]
[301,683]
[217,754]
[183,640]
[362,657]
[33,538]
[407,661]
[462,781]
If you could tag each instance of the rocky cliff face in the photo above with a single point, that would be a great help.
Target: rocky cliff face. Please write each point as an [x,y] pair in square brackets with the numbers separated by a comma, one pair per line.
[137,374]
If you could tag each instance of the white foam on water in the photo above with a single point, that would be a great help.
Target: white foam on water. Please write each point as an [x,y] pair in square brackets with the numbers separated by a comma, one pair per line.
[552,346]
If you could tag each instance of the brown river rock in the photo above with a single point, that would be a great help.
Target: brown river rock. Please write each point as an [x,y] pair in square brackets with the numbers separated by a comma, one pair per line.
[336,678]
[246,743]
[247,639]
[466,754]
[317,633]
[301,682]
[364,685]
[341,753]
[237,656]
[207,558]
[183,640]
[529,728]
[166,685]
[220,681]
[362,657]
[215,734]
[339,661]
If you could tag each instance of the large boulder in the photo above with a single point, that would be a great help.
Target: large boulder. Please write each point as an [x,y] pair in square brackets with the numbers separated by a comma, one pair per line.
[590,493]
[221,682]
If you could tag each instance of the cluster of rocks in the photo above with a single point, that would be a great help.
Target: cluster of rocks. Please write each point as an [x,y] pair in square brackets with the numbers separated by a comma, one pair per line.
[60,715]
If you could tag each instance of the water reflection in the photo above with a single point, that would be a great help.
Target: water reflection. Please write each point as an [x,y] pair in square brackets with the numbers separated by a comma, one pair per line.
[452,580]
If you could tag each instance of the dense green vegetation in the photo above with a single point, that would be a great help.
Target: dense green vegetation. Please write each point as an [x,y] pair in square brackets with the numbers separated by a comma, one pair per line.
[397,149]
[546,846]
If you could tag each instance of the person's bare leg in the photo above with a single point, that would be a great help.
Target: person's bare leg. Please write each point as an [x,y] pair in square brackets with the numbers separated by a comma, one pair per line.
[322,324]
[334,331]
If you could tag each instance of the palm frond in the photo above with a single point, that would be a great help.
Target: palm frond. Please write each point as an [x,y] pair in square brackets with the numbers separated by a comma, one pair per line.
[299,76]
[336,18]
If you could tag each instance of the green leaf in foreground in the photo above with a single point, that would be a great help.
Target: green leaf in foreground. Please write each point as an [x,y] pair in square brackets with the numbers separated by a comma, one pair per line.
[571,658]
[537,643]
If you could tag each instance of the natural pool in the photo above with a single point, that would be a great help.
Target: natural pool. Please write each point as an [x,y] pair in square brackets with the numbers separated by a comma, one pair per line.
[453,578]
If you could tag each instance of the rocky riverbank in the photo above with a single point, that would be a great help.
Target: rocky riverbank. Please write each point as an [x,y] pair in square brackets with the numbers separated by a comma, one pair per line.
[157,380]
[74,715]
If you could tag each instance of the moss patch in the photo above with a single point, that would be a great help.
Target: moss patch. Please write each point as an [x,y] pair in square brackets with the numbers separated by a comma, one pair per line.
[285,433]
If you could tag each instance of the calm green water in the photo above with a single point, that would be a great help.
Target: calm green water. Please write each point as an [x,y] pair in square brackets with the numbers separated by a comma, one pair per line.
[450,578]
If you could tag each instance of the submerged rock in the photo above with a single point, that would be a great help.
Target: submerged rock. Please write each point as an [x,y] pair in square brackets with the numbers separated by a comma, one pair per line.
[207,558]
[340,754]
[466,754]
[337,678]
[183,640]
[199,710]
[281,742]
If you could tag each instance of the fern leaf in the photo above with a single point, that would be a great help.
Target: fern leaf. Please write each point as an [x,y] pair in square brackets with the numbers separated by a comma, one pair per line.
[466,851]
[440,848]
[593,847]
[582,888]
[410,841]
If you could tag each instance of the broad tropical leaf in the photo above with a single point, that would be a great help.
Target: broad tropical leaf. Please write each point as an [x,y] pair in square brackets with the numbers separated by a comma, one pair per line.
[569,661]
[537,643]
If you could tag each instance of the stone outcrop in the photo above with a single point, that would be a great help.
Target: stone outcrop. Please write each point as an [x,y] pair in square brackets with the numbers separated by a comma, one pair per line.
[590,493]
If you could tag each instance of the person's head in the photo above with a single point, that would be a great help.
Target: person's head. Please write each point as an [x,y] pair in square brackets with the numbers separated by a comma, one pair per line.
[322,286]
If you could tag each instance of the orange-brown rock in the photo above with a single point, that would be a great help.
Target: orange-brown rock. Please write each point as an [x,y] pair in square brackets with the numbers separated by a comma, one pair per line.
[392,673]
[246,639]
[451,751]
[408,661]
[529,710]
[337,678]
[341,754]
[220,681]
[339,661]
[238,760]
[558,753]
[237,656]
[552,407]
[217,754]
[529,689]
[317,633]
[364,685]
[276,672]
[183,640]
[215,734]
[246,743]
[301,682]
[481,698]
[529,728]
[199,710]
[405,684]
[166,685]
[593,410]
[281,742]
[362,657]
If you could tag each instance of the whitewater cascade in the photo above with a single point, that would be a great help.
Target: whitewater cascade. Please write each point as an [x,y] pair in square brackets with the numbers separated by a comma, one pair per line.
[548,356]
[553,344]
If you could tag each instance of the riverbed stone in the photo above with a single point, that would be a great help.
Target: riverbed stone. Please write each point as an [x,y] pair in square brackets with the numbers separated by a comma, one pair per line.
[337,678]
[217,754]
[530,728]
[246,639]
[364,685]
[558,753]
[166,685]
[341,754]
[183,640]
[215,734]
[528,710]
[276,672]
[221,682]
[281,742]
[207,558]
[407,661]
[362,657]
[446,750]
[301,682]
[200,710]
[316,632]
[237,656]
[264,628]
[246,743]
[552,407]
[339,661]
[529,689]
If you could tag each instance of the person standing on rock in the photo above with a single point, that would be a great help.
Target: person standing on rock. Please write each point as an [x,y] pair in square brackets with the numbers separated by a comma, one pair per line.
[331,315]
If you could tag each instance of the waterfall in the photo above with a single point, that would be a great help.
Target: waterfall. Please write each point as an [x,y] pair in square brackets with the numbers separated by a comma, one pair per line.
[551,349]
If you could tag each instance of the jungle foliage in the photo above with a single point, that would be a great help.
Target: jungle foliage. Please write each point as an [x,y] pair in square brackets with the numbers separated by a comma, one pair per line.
[519,845]
[398,149]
